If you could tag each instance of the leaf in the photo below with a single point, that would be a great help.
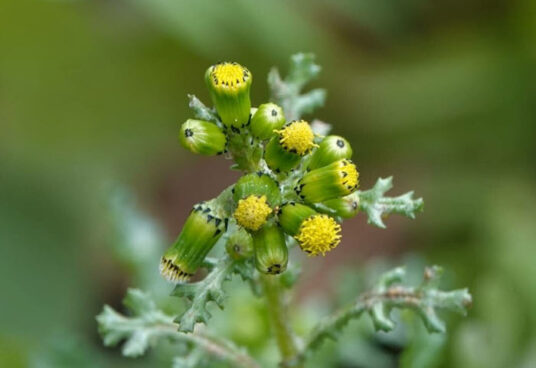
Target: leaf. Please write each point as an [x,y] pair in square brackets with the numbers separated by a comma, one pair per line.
[389,293]
[202,112]
[148,324]
[376,206]
[210,289]
[286,92]
[138,332]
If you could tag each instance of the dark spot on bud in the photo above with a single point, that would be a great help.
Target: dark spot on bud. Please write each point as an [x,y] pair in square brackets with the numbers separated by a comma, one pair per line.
[206,210]
[226,222]
[217,221]
[236,248]
[340,143]
[188,133]
[217,232]
[259,173]
[274,112]
[209,218]
[354,205]
[235,129]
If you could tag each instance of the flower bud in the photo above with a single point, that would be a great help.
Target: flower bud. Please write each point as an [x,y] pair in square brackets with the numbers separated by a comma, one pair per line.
[315,233]
[271,253]
[345,207]
[202,137]
[229,85]
[199,234]
[284,151]
[331,149]
[337,179]
[267,118]
[240,244]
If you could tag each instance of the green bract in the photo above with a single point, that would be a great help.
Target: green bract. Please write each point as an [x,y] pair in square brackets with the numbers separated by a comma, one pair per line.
[332,148]
[202,137]
[271,253]
[199,234]
[258,184]
[229,85]
[292,215]
[240,244]
[267,118]
[337,179]
[278,159]
[345,207]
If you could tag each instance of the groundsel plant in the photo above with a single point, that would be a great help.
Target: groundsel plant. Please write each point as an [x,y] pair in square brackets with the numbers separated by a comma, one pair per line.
[299,184]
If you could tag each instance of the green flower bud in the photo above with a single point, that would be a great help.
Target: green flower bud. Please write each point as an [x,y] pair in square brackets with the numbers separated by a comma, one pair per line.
[229,85]
[284,151]
[256,196]
[277,158]
[199,234]
[331,149]
[345,207]
[240,244]
[315,233]
[337,179]
[271,253]
[267,118]
[202,137]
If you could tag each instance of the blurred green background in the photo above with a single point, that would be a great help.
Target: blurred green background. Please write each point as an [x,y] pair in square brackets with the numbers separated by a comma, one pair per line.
[440,94]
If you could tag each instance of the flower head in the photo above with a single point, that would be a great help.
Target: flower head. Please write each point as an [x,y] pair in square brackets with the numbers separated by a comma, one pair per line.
[251,212]
[229,85]
[297,137]
[199,234]
[337,179]
[318,234]
[271,252]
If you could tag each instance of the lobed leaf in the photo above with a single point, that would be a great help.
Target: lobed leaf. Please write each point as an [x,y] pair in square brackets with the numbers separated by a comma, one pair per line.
[287,92]
[210,289]
[377,206]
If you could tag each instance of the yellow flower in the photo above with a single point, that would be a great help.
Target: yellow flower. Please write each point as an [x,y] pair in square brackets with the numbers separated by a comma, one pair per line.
[297,137]
[251,212]
[318,234]
[229,75]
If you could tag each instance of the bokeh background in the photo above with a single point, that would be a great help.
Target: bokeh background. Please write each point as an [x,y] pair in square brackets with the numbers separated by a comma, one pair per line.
[439,94]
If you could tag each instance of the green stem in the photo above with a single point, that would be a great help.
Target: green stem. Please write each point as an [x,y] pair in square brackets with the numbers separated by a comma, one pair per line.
[277,310]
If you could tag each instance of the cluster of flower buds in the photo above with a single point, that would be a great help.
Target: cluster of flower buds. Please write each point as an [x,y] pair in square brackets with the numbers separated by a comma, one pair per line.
[301,187]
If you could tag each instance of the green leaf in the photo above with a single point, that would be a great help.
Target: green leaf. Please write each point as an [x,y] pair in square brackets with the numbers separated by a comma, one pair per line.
[389,293]
[210,289]
[138,332]
[148,325]
[287,92]
[202,112]
[376,206]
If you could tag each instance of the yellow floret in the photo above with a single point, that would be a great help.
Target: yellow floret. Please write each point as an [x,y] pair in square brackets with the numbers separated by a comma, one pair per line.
[318,234]
[229,75]
[349,176]
[297,137]
[251,213]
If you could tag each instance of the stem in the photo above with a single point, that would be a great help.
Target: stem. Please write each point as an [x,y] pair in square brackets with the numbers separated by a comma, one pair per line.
[210,345]
[277,310]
